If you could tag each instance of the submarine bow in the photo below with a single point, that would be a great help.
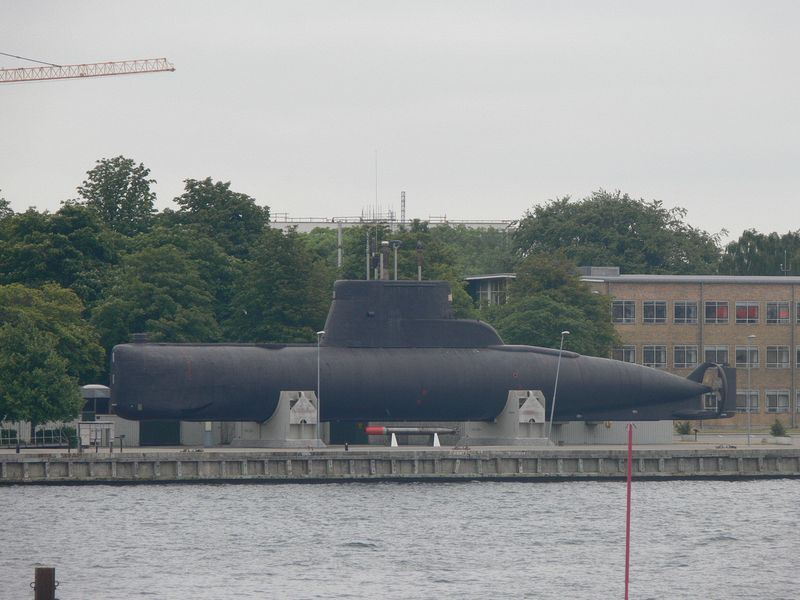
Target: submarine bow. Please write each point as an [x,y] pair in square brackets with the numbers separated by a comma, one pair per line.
[392,351]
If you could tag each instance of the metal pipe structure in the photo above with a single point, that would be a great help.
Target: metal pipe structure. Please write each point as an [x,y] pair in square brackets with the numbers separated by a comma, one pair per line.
[380,430]
[319,393]
[101,69]
[750,339]
[555,386]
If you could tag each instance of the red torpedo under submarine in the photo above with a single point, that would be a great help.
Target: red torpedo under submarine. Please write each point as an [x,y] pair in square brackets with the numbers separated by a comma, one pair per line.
[392,351]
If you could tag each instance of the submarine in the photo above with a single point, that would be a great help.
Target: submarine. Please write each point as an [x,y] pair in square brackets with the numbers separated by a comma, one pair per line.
[392,351]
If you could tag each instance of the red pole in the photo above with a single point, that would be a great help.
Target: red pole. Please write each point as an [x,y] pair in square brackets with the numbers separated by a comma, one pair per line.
[628,512]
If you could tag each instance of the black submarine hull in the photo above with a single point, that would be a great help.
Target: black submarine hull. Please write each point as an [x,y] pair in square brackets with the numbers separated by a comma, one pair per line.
[243,383]
[392,351]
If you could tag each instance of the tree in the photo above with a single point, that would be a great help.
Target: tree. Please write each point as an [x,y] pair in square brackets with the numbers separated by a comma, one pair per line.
[762,254]
[218,270]
[5,209]
[58,313]
[478,251]
[35,384]
[72,248]
[615,230]
[283,295]
[547,298]
[158,291]
[119,191]
[232,219]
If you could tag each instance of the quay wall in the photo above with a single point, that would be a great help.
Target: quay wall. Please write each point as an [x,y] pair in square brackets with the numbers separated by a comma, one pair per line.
[394,464]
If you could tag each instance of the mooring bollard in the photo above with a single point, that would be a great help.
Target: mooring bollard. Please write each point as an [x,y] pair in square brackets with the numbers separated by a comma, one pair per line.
[45,584]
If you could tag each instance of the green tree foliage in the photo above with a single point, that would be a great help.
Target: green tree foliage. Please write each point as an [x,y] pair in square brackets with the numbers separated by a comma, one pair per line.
[615,230]
[159,291]
[232,219]
[547,298]
[72,248]
[58,313]
[284,292]
[35,384]
[478,251]
[762,254]
[5,209]
[119,191]
[218,270]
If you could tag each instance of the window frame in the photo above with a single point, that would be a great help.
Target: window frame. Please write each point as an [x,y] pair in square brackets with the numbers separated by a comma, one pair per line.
[777,363]
[777,319]
[749,351]
[623,350]
[685,348]
[685,305]
[624,304]
[778,394]
[716,350]
[716,305]
[747,305]
[655,348]
[754,408]
[657,306]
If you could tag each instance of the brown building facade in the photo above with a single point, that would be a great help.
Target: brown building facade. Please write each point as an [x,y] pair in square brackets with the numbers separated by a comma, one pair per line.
[677,322]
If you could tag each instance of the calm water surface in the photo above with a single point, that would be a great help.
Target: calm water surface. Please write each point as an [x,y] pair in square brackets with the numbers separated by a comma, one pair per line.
[461,540]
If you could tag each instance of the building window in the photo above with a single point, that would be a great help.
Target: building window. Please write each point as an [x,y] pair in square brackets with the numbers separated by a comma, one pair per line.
[797,402]
[797,317]
[797,356]
[716,354]
[747,313]
[492,292]
[716,312]
[625,354]
[624,311]
[778,313]
[777,357]
[685,357]
[741,400]
[777,401]
[711,401]
[742,356]
[685,312]
[654,356]
[654,311]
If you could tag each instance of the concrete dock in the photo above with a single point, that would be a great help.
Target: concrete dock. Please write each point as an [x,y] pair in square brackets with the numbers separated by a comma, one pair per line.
[405,463]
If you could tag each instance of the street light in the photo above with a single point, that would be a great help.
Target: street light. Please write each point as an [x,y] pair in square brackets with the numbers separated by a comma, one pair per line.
[319,403]
[555,387]
[395,244]
[750,339]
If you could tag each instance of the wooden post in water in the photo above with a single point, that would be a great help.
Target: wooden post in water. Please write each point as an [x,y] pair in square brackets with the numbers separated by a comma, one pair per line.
[628,511]
[45,583]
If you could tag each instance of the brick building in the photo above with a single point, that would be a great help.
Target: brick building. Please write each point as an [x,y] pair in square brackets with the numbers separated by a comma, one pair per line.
[675,322]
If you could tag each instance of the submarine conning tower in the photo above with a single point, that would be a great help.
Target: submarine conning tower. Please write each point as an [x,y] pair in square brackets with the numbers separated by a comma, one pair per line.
[400,314]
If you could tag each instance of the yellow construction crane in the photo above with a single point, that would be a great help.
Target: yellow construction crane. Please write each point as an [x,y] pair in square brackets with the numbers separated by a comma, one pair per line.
[101,69]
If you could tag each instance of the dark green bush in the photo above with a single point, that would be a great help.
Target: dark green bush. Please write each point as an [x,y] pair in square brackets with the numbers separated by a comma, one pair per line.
[777,429]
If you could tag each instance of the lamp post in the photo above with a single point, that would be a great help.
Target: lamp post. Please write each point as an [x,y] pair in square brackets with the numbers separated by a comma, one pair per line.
[555,387]
[750,339]
[319,402]
[395,245]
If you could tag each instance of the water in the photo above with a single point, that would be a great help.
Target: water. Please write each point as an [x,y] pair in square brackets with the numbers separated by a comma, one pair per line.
[460,540]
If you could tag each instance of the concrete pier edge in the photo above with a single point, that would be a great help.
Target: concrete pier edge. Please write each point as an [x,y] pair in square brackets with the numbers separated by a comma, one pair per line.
[409,464]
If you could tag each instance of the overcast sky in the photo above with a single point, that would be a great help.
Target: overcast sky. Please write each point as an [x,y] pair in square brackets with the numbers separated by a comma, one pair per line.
[478,110]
